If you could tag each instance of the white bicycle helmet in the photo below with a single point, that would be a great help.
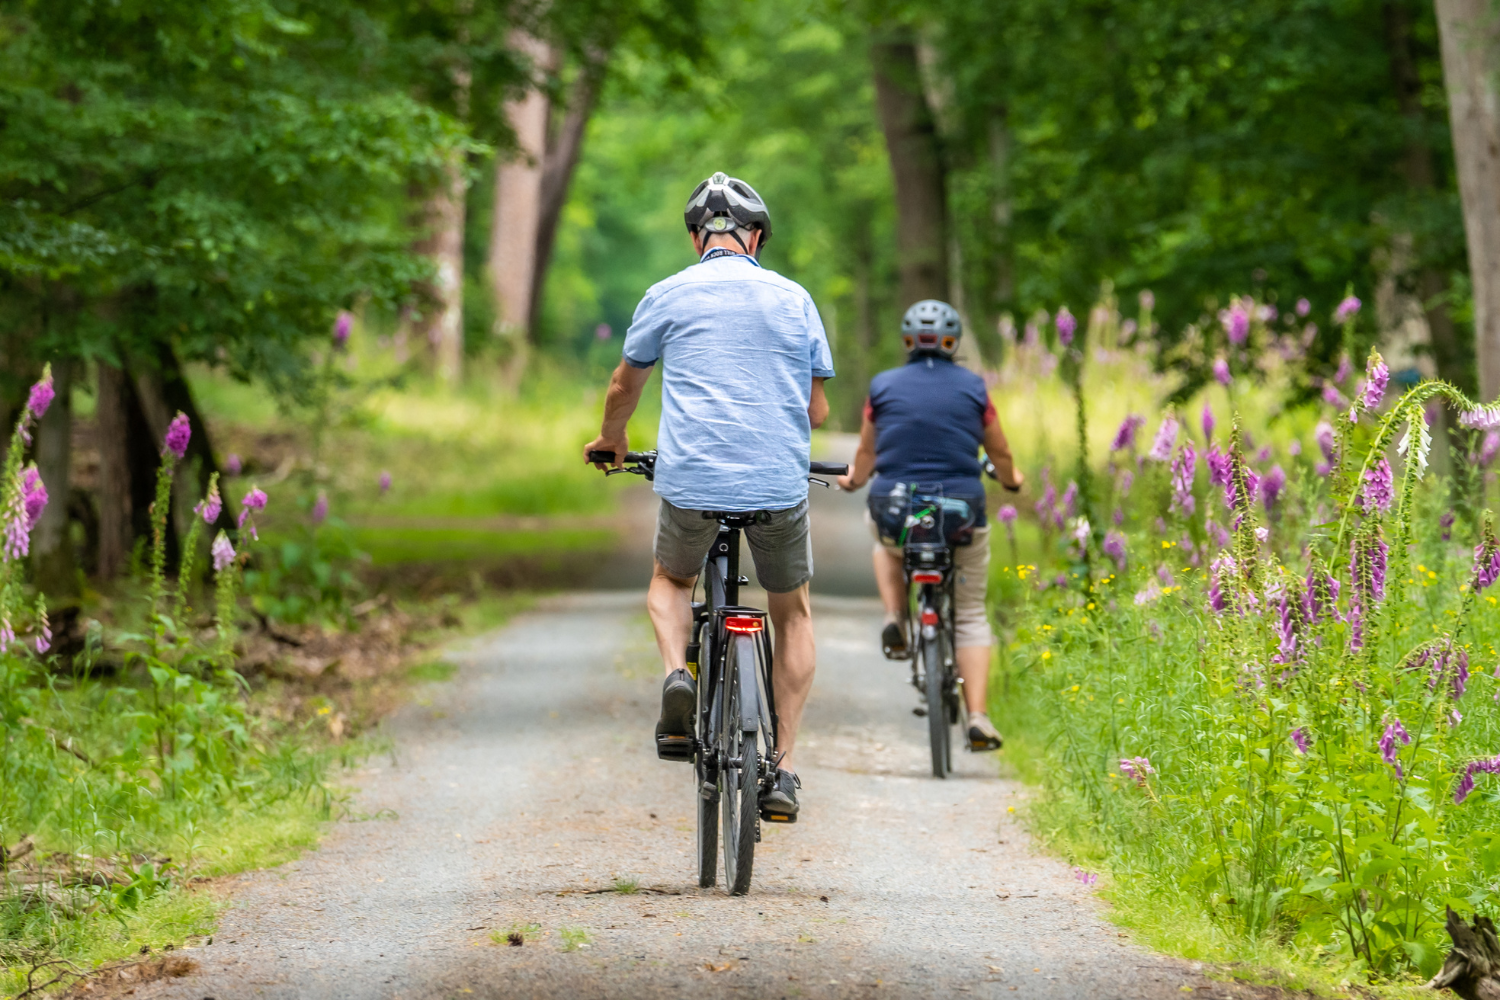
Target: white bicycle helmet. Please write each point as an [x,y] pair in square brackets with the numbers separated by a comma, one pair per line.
[931,327]
[724,204]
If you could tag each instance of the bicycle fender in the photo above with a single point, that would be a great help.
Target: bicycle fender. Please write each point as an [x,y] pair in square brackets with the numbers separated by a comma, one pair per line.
[744,656]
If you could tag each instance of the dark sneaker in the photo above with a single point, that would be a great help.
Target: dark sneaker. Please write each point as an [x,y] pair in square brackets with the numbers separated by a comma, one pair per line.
[982,733]
[779,805]
[679,703]
[893,641]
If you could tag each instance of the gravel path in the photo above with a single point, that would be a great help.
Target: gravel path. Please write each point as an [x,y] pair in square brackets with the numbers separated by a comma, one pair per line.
[528,783]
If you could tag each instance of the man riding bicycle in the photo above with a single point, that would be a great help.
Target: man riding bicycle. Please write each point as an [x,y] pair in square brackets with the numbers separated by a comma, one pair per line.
[743,357]
[923,426]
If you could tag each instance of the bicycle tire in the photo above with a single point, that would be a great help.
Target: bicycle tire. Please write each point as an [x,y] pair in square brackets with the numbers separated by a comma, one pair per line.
[707,776]
[739,787]
[938,729]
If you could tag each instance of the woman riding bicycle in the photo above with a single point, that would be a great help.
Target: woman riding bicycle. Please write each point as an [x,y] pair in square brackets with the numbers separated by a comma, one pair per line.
[923,427]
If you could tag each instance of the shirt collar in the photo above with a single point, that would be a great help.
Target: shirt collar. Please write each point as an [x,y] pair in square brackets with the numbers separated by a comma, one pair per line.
[717,252]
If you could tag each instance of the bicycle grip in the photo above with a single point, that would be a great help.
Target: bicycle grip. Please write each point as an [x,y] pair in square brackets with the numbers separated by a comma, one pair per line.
[827,469]
[602,457]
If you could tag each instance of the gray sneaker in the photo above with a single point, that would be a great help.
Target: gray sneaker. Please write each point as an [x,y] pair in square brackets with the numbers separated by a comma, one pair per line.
[779,805]
[679,703]
[982,733]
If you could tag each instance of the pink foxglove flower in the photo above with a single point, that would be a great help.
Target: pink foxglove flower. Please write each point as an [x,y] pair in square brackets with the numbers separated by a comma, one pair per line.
[33,495]
[1344,370]
[1378,489]
[1218,571]
[1147,299]
[1486,562]
[385,482]
[1481,418]
[41,395]
[1006,514]
[320,508]
[341,328]
[254,500]
[1114,547]
[1299,740]
[1271,485]
[210,506]
[1236,324]
[1394,733]
[7,634]
[179,432]
[1221,371]
[232,464]
[1138,768]
[1303,307]
[1378,376]
[222,552]
[1184,469]
[1332,396]
[1346,310]
[44,635]
[1125,436]
[1066,325]
[1489,448]
[1208,424]
[1166,439]
[1069,504]
[1323,433]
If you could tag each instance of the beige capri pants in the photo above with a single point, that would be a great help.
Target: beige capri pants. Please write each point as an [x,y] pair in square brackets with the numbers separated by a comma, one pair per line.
[971,566]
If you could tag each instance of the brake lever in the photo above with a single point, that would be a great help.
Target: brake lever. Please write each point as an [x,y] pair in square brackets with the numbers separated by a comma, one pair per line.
[821,482]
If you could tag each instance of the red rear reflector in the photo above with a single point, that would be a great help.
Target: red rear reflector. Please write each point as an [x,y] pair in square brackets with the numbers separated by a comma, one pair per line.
[744,624]
[923,577]
[929,617]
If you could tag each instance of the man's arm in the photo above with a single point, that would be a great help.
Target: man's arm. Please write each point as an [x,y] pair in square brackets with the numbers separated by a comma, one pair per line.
[998,449]
[817,409]
[864,459]
[624,394]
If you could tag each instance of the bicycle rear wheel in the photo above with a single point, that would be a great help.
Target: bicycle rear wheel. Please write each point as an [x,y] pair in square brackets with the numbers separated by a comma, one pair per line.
[739,777]
[938,729]
[706,772]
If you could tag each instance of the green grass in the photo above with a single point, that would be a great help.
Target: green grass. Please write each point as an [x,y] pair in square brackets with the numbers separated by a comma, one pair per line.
[391,546]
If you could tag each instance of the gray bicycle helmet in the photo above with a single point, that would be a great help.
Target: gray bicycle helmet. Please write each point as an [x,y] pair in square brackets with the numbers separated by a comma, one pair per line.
[931,327]
[724,204]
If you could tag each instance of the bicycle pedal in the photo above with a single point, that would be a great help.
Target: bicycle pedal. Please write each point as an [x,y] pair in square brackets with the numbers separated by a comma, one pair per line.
[778,817]
[898,655]
[920,711]
[674,748]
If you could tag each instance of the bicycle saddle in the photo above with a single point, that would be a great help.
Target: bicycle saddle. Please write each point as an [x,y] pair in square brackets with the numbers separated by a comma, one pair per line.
[738,518]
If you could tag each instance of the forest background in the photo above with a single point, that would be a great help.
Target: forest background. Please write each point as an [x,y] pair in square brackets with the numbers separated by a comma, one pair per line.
[349,239]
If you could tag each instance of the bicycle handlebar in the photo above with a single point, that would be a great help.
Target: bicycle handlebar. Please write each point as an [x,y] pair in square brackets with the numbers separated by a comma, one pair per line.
[648,458]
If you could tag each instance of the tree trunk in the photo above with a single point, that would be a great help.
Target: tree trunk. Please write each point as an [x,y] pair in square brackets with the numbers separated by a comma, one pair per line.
[1470,34]
[111,420]
[517,213]
[917,168]
[51,545]
[1420,170]
[442,322]
[561,158]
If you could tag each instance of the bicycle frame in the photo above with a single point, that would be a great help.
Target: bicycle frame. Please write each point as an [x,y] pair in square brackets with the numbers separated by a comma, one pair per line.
[930,629]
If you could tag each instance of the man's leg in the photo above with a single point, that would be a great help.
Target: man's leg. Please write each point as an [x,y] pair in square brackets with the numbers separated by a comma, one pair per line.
[795,661]
[669,603]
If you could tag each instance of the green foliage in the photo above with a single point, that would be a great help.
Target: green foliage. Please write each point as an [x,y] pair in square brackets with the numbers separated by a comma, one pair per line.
[1272,730]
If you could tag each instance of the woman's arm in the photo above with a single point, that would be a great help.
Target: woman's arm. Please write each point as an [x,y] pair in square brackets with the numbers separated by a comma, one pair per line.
[998,449]
[864,459]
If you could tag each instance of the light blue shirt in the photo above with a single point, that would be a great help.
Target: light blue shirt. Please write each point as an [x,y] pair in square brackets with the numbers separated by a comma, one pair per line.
[739,347]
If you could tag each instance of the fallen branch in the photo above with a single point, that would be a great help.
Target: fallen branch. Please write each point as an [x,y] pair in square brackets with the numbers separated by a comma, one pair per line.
[1472,968]
[7,855]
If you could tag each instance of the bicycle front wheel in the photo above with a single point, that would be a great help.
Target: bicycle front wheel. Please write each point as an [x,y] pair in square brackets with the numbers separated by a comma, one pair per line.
[739,777]
[938,729]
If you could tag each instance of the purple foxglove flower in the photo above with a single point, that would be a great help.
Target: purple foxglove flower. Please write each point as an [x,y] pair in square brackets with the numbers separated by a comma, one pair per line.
[232,464]
[1271,486]
[1394,732]
[1345,369]
[1299,740]
[44,635]
[1489,448]
[1219,534]
[1320,596]
[1346,311]
[222,552]
[1166,437]
[1165,576]
[1378,376]
[1455,717]
[255,499]
[1264,455]
[1118,516]
[1325,438]
[1446,523]
[1236,324]
[1295,448]
[1006,514]
[385,482]
[1184,468]
[1217,571]
[1332,396]
[1066,324]
[1032,336]
[1220,466]
[1061,581]
[1208,424]
[1261,534]
[1378,490]
[1490,765]
[1069,501]
[1127,480]
[1221,371]
[7,634]
[320,508]
[1114,547]
[41,395]
[1322,468]
[1266,313]
[33,495]
[179,432]
[1087,878]
[1288,647]
[341,328]
[1125,436]
[1486,563]
[1147,300]
[1303,307]
[1137,767]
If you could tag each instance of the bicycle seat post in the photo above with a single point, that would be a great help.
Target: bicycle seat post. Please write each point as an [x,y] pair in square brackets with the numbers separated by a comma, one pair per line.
[728,545]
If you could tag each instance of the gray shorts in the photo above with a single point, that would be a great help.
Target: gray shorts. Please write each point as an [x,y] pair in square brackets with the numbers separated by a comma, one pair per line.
[782,550]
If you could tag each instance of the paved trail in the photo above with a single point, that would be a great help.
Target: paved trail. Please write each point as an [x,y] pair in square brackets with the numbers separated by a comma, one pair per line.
[529,782]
